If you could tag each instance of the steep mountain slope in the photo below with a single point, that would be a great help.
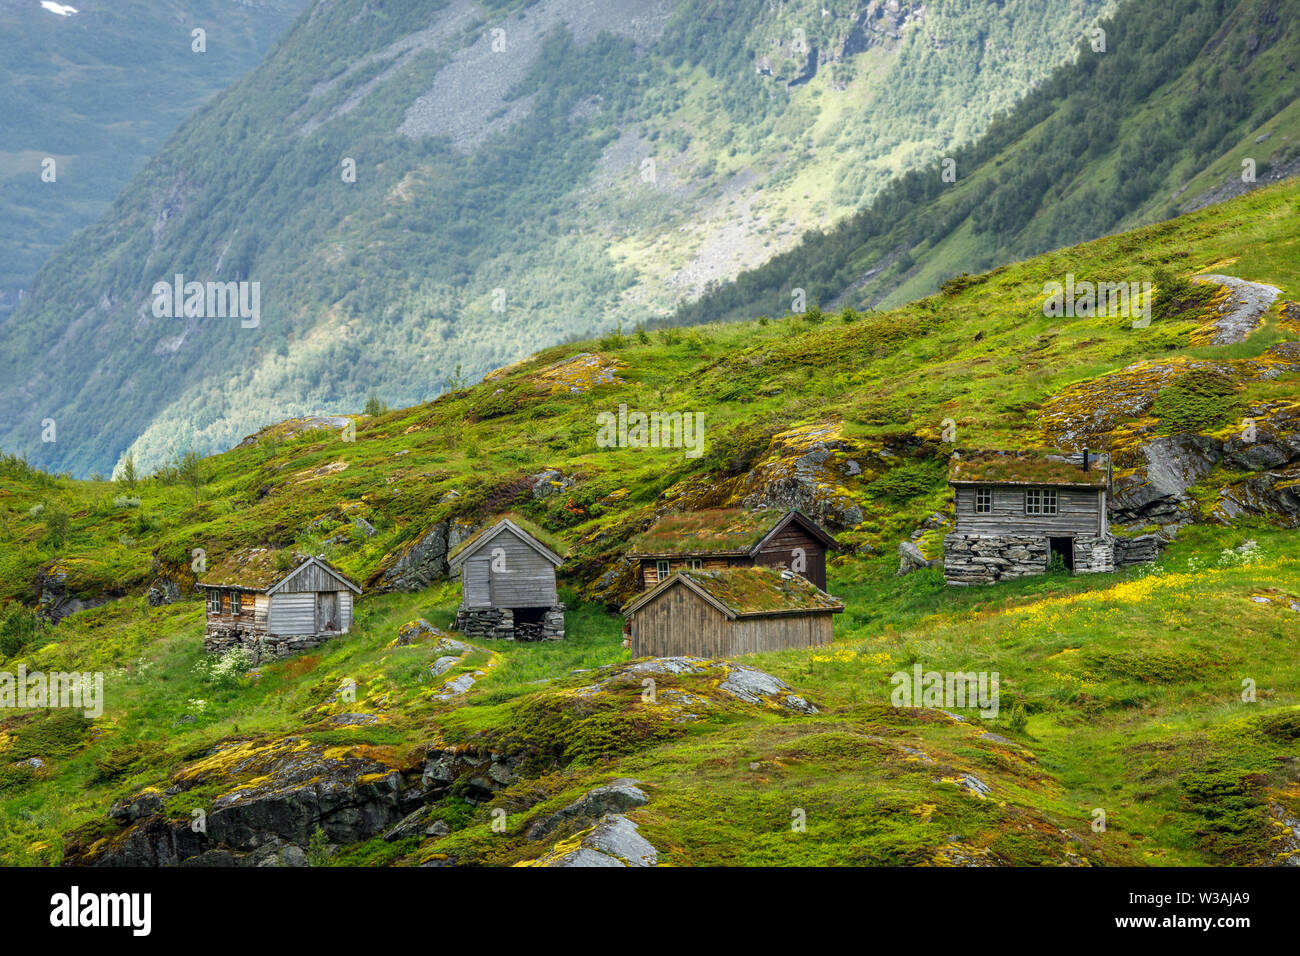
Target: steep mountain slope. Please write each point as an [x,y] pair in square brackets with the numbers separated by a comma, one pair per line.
[98,87]
[1119,692]
[1158,123]
[524,172]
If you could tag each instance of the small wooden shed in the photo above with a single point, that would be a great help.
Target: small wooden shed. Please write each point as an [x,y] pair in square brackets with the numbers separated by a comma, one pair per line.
[729,611]
[1017,511]
[507,572]
[274,604]
[732,538]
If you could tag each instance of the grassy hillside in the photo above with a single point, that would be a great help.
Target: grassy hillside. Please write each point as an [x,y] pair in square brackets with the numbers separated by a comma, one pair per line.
[75,93]
[1118,692]
[1158,123]
[525,173]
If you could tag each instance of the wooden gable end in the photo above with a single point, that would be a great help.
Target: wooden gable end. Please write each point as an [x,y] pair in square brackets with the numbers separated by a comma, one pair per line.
[795,548]
[508,571]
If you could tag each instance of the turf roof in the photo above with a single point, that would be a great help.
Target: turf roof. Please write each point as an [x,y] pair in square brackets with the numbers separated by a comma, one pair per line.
[754,591]
[712,531]
[1028,467]
[253,570]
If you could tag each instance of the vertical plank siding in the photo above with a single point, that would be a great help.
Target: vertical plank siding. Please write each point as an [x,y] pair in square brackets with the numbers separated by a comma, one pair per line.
[681,623]
[780,551]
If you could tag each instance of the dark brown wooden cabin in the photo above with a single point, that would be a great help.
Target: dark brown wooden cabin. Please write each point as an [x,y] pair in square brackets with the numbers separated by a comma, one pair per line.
[729,611]
[508,590]
[274,604]
[732,538]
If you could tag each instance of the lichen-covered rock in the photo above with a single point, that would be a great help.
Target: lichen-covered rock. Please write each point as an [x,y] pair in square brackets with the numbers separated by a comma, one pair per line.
[615,797]
[804,468]
[911,559]
[614,841]
[277,792]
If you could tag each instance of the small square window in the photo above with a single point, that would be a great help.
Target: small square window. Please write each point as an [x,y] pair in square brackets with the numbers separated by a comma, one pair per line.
[983,501]
[695,564]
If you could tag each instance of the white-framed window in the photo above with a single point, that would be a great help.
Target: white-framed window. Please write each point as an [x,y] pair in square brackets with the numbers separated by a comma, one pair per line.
[662,569]
[1040,501]
[983,501]
[695,564]
[236,603]
[214,601]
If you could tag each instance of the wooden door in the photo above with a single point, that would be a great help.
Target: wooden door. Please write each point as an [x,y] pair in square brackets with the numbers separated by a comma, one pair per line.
[327,611]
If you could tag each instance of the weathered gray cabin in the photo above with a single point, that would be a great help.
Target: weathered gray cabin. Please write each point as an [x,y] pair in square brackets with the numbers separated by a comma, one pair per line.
[1017,510]
[508,583]
[728,611]
[274,604]
[732,538]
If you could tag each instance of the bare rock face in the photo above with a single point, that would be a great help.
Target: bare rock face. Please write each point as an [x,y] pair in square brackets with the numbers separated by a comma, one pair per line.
[615,841]
[1156,492]
[618,796]
[279,793]
[424,561]
[57,599]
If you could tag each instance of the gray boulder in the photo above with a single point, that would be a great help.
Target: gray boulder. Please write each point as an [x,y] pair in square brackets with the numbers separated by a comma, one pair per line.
[620,795]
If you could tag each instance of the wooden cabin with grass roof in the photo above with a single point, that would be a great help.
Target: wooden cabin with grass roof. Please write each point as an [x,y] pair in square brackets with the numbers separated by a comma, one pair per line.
[508,590]
[275,603]
[1025,512]
[729,611]
[720,538]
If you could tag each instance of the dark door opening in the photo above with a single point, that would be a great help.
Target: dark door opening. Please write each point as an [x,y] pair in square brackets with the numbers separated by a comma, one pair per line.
[528,623]
[1062,550]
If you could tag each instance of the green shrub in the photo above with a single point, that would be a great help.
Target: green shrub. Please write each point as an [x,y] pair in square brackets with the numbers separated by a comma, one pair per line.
[1200,400]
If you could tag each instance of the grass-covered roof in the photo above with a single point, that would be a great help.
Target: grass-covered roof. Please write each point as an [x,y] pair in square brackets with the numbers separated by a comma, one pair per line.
[260,569]
[255,569]
[753,592]
[1028,467]
[712,531]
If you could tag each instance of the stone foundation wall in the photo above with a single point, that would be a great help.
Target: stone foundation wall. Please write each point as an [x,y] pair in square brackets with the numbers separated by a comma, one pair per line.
[499,622]
[985,558]
[1094,555]
[1137,550]
[261,647]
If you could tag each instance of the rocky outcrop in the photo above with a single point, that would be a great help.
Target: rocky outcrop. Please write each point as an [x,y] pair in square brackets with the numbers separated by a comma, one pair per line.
[616,797]
[279,794]
[911,559]
[1156,490]
[614,841]
[1242,311]
[423,561]
[56,596]
[805,468]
